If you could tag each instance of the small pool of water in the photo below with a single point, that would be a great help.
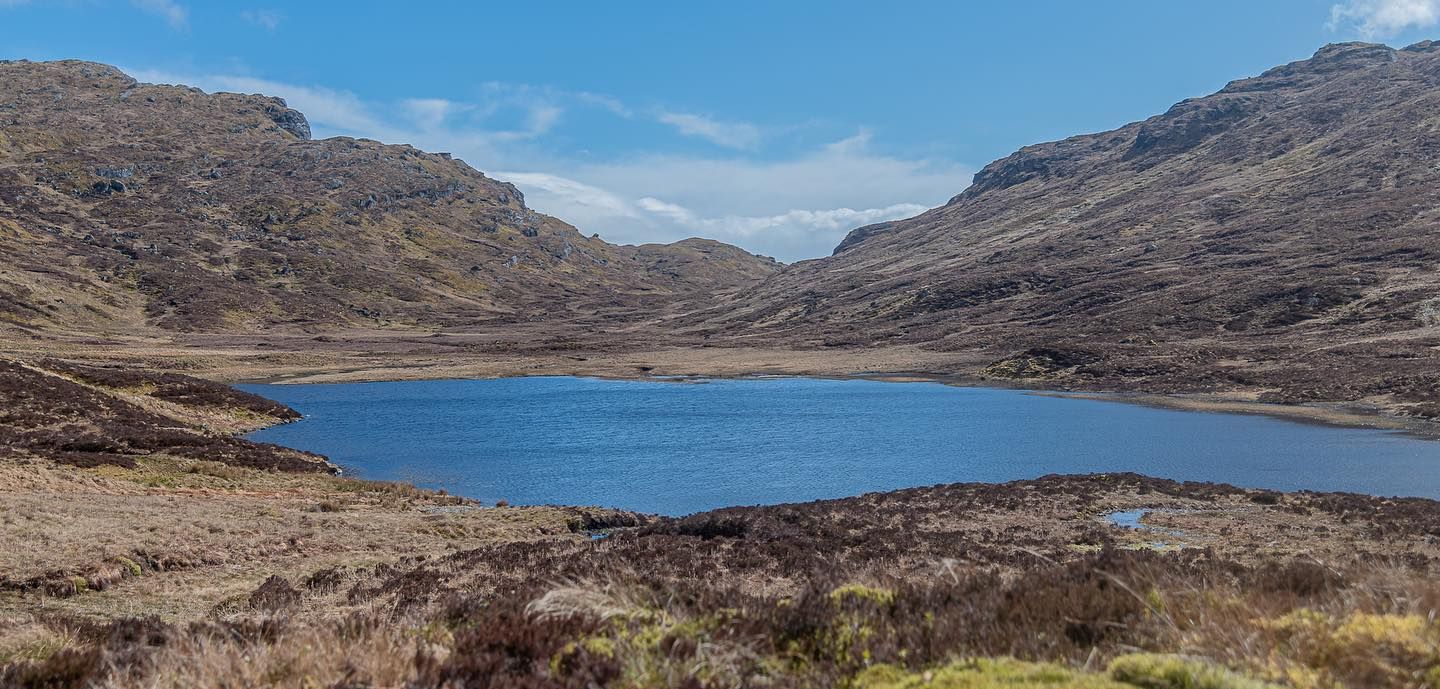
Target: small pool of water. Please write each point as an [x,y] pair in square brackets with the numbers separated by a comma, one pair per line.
[1129,519]
[676,448]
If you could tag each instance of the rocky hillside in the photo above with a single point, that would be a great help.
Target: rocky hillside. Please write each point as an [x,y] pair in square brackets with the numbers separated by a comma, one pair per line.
[130,207]
[1281,236]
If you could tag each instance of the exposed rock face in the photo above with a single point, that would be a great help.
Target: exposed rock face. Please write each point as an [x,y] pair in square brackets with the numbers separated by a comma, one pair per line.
[1280,236]
[292,121]
[135,207]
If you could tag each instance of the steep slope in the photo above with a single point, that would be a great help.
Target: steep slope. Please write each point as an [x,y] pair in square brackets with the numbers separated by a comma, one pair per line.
[1281,236]
[134,207]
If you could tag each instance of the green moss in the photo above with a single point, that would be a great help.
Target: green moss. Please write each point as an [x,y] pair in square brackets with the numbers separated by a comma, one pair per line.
[862,592]
[1157,671]
[132,566]
[599,645]
[158,481]
[603,646]
[80,583]
[1146,671]
[984,673]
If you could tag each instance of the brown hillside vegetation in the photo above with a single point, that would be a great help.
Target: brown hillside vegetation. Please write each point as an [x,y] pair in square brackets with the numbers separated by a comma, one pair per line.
[91,416]
[128,207]
[1279,238]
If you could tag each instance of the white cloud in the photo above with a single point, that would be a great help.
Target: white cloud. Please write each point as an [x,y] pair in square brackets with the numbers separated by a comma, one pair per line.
[614,105]
[268,20]
[577,196]
[790,235]
[792,208]
[540,119]
[741,135]
[793,227]
[428,113]
[1382,18]
[172,12]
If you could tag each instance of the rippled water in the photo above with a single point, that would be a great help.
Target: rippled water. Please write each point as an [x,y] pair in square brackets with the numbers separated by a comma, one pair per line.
[676,448]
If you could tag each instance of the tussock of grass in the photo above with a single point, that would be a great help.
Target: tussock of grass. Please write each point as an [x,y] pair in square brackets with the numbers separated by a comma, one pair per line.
[1378,649]
[879,596]
[1142,671]
[1158,671]
[985,673]
[31,643]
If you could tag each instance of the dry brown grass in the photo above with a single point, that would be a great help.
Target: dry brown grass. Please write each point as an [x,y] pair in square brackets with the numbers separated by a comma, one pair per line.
[176,538]
[301,657]
[1165,622]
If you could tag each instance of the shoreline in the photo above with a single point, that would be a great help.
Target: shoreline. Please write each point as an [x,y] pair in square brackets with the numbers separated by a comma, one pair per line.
[1334,414]
[391,357]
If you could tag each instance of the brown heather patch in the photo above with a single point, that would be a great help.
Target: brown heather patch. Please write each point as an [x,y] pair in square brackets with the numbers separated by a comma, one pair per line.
[183,391]
[818,594]
[84,416]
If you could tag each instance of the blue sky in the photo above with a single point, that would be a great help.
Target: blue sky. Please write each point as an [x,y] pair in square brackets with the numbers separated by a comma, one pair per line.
[777,126]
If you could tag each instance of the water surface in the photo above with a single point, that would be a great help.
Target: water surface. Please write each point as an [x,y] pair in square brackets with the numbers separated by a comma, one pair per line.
[676,448]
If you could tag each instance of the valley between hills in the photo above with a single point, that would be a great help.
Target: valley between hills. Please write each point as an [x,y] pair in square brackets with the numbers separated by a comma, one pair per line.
[1267,244]
[1271,247]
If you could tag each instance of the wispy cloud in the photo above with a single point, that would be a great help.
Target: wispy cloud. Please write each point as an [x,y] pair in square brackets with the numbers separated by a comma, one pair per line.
[268,20]
[585,199]
[539,120]
[433,123]
[1383,18]
[175,14]
[609,103]
[826,222]
[740,135]
[429,113]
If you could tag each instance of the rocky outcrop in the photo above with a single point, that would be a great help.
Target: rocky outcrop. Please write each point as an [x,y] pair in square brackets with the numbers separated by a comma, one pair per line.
[292,121]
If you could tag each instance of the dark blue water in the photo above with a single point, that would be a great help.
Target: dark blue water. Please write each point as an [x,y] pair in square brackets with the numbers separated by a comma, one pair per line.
[676,448]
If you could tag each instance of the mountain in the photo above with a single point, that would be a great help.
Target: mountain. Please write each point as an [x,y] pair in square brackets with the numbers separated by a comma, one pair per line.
[138,208]
[1274,241]
[1279,238]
